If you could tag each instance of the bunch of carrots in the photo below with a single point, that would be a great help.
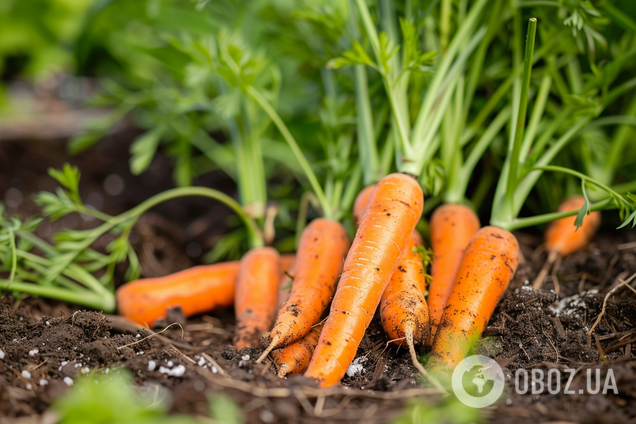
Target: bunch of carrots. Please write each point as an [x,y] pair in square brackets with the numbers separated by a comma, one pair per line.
[383,268]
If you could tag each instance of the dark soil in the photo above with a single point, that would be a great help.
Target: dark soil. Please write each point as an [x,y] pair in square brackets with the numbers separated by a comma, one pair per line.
[530,329]
[47,343]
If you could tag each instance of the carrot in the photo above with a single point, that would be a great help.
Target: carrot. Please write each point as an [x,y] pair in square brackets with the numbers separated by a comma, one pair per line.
[394,209]
[256,295]
[294,358]
[563,238]
[486,269]
[321,251]
[287,261]
[452,227]
[361,202]
[403,309]
[195,290]
[284,286]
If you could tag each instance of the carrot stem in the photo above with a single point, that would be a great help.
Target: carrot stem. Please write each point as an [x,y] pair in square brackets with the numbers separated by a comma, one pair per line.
[300,157]
[87,298]
[515,149]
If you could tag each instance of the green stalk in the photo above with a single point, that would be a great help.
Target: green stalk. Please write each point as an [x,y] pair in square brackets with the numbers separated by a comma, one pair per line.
[519,223]
[396,105]
[463,35]
[444,24]
[364,128]
[289,138]
[581,176]
[521,117]
[525,186]
[455,194]
[89,299]
[618,144]
[253,231]
[535,117]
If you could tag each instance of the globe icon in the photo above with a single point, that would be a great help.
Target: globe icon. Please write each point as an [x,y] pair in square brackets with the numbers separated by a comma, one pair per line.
[478,381]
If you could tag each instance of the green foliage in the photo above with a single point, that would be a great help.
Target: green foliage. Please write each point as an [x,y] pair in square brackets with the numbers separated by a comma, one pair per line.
[40,33]
[450,411]
[113,399]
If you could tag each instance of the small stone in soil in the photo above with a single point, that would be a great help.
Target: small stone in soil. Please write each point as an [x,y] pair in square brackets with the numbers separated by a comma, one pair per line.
[26,374]
[152,365]
[68,381]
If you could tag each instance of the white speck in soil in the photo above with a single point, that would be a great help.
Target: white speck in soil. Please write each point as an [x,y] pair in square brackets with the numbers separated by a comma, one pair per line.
[86,370]
[141,352]
[170,364]
[266,416]
[246,357]
[1,354]
[33,352]
[214,370]
[68,381]
[26,374]
[47,323]
[177,371]
[44,382]
[152,365]
[201,361]
[138,336]
[29,387]
[508,401]
[356,366]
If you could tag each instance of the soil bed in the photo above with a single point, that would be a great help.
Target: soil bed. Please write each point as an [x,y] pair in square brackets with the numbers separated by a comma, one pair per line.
[47,345]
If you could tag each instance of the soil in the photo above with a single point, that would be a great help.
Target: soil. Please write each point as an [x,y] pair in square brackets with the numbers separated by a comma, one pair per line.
[47,343]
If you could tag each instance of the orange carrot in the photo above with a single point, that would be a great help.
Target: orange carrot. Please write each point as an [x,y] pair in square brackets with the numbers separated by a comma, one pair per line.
[287,261]
[393,211]
[487,267]
[452,227]
[256,295]
[294,358]
[562,237]
[403,309]
[284,287]
[361,202]
[321,251]
[195,290]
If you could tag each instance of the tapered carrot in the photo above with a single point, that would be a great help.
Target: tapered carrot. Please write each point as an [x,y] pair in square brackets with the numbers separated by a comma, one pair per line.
[284,286]
[319,260]
[294,358]
[403,309]
[256,295]
[452,227]
[195,290]
[393,211]
[487,267]
[563,238]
